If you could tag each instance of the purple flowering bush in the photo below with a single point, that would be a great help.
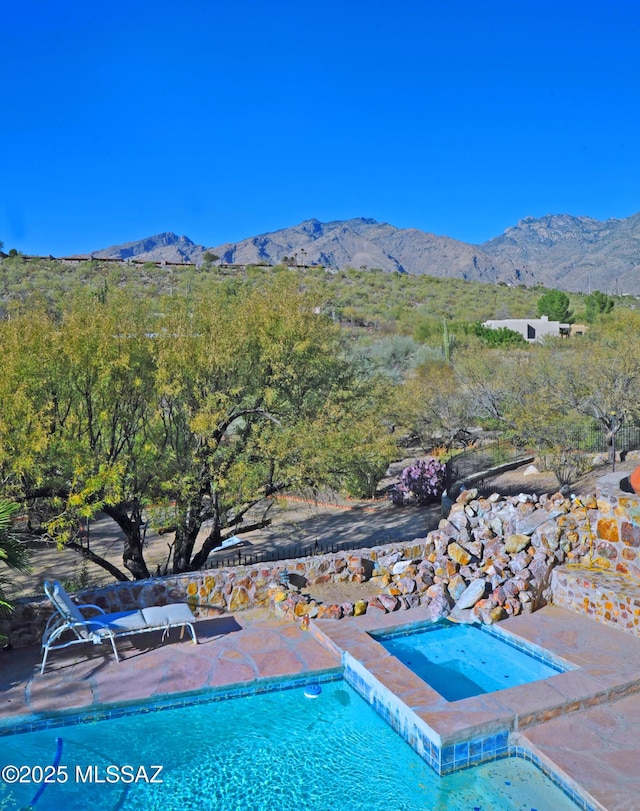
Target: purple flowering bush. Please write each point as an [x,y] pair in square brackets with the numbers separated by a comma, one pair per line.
[420,483]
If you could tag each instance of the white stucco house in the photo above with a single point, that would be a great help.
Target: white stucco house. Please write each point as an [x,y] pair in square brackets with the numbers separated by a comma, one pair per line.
[531,329]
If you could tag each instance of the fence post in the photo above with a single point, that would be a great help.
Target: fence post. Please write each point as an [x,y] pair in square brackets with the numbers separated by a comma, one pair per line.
[613,441]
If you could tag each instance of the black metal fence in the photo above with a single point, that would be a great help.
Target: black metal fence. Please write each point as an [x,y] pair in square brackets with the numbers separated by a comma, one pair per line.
[244,558]
[592,440]
[599,441]
[589,440]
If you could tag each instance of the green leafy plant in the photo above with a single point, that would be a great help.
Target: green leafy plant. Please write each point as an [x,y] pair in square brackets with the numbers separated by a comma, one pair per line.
[13,554]
[596,304]
[502,337]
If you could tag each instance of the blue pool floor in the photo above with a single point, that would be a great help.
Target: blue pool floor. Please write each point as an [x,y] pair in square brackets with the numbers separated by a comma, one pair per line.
[582,723]
[460,661]
[277,751]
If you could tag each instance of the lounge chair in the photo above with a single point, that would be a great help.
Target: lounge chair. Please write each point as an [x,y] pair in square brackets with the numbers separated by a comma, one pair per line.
[68,620]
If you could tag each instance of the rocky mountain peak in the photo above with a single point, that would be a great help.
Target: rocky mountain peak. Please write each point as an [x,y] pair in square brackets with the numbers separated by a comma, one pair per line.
[557,250]
[167,247]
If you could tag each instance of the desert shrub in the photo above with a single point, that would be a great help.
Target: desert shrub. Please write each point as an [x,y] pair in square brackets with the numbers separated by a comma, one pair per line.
[393,356]
[79,579]
[500,337]
[363,477]
[566,465]
[421,483]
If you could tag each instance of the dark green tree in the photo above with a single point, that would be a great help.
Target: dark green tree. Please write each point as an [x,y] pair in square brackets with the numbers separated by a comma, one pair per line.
[555,305]
[596,304]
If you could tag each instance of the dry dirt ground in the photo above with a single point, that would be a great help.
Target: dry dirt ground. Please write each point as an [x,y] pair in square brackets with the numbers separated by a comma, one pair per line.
[294,523]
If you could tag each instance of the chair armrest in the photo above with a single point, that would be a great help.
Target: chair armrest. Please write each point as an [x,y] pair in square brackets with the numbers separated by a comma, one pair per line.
[53,622]
[60,627]
[90,605]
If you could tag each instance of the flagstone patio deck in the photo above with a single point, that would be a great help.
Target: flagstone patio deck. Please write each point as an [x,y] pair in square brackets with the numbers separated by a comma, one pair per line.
[591,738]
[233,650]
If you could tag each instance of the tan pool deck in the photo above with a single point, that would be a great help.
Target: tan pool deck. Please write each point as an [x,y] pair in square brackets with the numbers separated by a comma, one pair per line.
[584,723]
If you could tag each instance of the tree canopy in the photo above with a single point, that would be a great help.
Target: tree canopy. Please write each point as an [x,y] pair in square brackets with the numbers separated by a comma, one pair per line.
[195,406]
[555,305]
[596,304]
[208,405]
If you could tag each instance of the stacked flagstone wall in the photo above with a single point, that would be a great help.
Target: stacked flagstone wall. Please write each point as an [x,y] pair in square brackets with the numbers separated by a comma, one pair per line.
[490,559]
[607,586]
[492,556]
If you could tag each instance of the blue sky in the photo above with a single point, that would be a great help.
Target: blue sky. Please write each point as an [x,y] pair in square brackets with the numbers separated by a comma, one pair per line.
[221,120]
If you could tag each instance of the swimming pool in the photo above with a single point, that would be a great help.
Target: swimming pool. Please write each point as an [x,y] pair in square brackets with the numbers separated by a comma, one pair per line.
[460,661]
[274,751]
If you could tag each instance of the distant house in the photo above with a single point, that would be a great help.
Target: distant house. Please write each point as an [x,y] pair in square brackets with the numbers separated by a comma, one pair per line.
[532,329]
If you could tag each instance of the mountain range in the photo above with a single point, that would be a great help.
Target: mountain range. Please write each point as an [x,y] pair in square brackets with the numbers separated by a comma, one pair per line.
[577,254]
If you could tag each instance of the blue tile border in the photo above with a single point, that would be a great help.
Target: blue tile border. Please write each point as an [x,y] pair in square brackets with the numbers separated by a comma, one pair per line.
[534,651]
[473,752]
[451,758]
[168,702]
[443,760]
[421,738]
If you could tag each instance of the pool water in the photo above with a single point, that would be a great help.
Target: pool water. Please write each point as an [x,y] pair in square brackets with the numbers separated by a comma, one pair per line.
[276,751]
[460,661]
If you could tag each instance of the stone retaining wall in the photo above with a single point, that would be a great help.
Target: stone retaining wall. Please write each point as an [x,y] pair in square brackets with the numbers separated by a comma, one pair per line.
[615,526]
[489,559]
[210,592]
[606,587]
[607,597]
[492,555]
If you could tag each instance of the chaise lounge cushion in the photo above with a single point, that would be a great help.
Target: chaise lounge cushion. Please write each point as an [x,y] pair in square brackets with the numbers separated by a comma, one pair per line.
[64,603]
[160,615]
[118,622]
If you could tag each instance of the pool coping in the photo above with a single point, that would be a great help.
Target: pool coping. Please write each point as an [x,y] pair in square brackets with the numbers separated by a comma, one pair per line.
[168,701]
[605,667]
[160,703]
[598,675]
[247,651]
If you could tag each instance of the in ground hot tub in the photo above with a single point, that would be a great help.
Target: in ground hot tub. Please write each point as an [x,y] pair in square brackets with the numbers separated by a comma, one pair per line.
[460,661]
